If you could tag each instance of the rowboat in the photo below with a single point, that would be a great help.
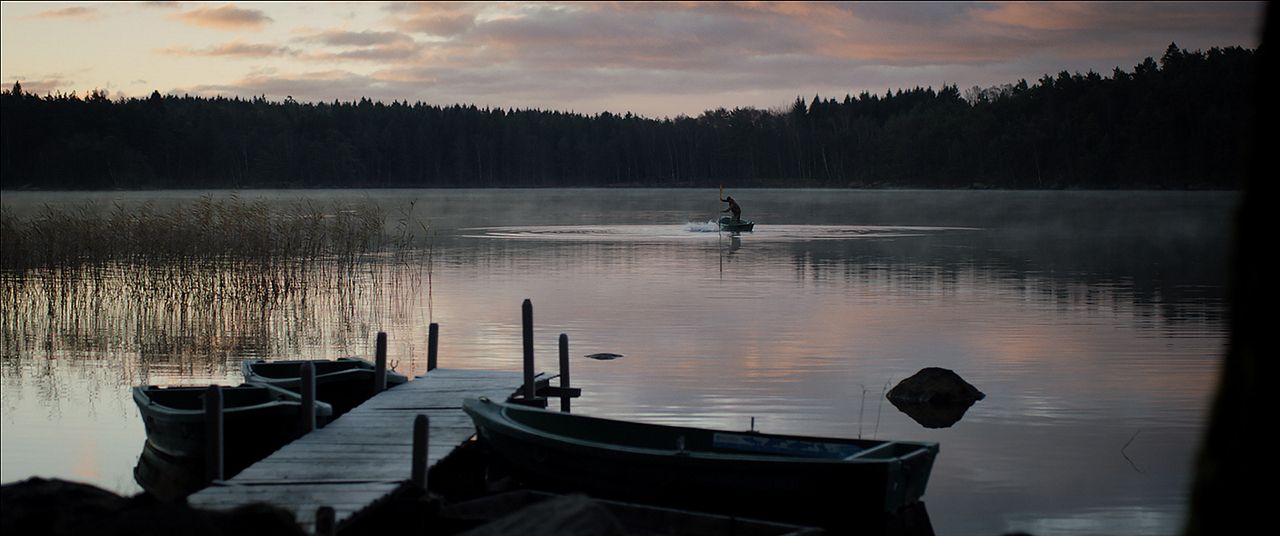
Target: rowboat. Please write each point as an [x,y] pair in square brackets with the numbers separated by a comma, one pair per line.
[344,383]
[257,420]
[728,224]
[812,479]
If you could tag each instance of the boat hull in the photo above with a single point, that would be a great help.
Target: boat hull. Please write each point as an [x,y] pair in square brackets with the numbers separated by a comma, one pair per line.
[257,420]
[730,225]
[343,383]
[810,487]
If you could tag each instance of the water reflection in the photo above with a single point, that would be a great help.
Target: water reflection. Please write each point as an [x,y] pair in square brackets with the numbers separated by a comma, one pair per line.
[185,324]
[933,415]
[1084,316]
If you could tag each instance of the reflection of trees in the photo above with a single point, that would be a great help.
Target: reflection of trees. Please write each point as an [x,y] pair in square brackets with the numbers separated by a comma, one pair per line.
[1155,271]
[1171,278]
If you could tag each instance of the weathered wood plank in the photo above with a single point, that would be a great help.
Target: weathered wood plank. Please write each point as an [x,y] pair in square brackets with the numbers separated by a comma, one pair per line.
[364,457]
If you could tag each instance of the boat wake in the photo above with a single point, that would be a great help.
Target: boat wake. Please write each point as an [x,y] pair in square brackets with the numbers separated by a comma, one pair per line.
[709,226]
[700,231]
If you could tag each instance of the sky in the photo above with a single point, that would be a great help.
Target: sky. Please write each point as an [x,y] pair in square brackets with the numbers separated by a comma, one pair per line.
[656,59]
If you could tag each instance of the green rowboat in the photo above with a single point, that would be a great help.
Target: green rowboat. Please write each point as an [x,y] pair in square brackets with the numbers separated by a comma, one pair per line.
[810,479]
[730,225]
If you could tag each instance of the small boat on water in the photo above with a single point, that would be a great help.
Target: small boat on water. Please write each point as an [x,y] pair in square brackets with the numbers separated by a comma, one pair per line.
[777,476]
[257,420]
[728,224]
[343,383]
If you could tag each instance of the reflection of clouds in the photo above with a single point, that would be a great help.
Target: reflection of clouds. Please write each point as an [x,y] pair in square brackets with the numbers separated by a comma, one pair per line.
[88,466]
[1074,353]
[1115,520]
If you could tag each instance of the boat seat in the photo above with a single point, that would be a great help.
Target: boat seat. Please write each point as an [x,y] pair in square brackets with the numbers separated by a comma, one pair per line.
[864,453]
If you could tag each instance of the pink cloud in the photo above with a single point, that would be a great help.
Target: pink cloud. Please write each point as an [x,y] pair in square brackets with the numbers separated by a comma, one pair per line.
[228,17]
[438,19]
[83,13]
[235,49]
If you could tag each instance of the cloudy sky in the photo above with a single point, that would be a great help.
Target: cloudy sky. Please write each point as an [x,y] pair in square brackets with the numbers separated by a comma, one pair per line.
[655,59]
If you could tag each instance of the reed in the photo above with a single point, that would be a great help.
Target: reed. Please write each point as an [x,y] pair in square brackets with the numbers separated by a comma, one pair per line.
[186,290]
[207,232]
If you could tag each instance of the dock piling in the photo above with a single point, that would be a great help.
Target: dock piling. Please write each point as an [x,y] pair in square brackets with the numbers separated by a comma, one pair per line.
[213,453]
[527,324]
[564,372]
[433,342]
[308,397]
[421,429]
[380,364]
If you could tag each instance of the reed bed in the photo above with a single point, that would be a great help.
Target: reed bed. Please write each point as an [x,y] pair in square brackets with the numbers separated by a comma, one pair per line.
[208,232]
[209,278]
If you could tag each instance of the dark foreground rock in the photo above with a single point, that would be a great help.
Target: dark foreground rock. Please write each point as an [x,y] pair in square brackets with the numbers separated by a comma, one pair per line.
[571,514]
[59,508]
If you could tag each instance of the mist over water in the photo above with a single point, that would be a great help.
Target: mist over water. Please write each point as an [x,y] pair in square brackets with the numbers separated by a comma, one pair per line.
[1093,321]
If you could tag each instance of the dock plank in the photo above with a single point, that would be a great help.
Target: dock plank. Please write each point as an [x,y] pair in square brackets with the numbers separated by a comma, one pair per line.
[364,457]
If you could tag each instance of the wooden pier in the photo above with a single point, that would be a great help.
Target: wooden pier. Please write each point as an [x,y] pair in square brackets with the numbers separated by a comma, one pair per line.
[380,449]
[365,457]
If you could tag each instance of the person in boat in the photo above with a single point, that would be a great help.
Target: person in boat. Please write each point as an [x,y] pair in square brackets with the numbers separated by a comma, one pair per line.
[734,208]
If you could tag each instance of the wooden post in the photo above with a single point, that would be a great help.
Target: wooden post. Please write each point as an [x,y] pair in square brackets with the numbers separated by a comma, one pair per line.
[564,372]
[421,431]
[213,453]
[527,323]
[326,524]
[308,397]
[433,342]
[380,364]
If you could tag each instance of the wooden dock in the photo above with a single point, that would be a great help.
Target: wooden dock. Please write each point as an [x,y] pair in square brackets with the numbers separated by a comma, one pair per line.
[364,458]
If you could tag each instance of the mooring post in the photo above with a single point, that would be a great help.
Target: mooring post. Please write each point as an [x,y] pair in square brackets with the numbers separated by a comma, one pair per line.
[564,372]
[527,323]
[213,463]
[433,342]
[326,521]
[380,364]
[308,397]
[421,431]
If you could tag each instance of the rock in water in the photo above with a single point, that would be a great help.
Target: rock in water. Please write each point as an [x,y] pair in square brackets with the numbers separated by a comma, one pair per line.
[934,397]
[936,386]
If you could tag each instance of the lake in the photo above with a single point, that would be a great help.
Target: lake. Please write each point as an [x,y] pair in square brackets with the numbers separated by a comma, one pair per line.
[1093,321]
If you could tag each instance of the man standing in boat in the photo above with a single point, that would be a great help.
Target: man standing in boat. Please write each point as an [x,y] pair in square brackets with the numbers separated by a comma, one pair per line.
[733,207]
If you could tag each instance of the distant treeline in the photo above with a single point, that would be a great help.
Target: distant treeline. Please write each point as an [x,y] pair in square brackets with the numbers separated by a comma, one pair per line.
[1181,122]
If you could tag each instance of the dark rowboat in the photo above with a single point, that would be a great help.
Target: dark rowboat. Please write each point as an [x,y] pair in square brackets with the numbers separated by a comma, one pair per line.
[811,479]
[730,225]
[257,420]
[344,383]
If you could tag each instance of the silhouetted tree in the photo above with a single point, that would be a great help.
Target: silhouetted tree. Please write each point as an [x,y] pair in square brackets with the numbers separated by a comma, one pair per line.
[1176,123]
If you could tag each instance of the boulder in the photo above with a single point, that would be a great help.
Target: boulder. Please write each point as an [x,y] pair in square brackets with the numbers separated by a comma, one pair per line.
[934,397]
[935,386]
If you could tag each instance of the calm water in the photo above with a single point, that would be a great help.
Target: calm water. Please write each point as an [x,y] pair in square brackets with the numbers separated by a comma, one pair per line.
[1093,321]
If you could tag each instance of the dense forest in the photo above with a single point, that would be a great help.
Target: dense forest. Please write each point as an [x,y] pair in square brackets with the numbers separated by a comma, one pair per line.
[1180,122]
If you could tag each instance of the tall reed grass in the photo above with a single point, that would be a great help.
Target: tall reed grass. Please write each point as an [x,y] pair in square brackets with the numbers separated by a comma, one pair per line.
[203,233]
[205,278]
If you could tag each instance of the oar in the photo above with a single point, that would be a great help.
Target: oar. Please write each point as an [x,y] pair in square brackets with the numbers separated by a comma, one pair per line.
[719,235]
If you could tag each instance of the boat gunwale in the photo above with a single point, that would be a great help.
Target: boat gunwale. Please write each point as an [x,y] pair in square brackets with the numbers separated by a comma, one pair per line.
[146,404]
[529,433]
[246,368]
